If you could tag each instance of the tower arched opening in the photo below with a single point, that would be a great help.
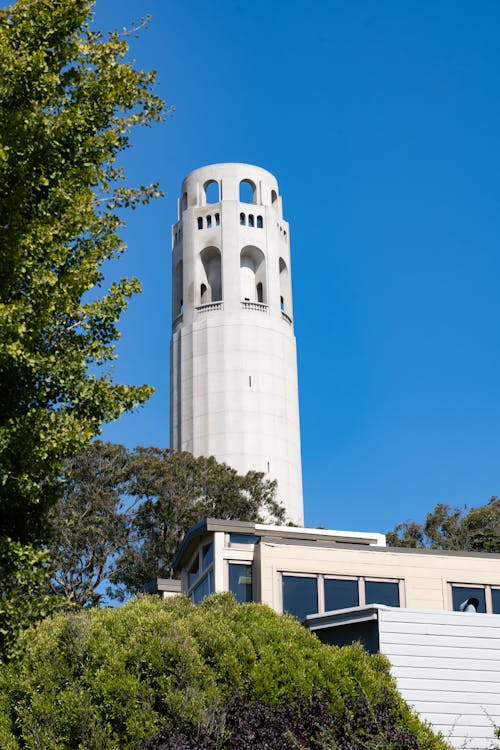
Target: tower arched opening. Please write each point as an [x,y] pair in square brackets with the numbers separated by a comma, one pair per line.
[177,284]
[184,201]
[274,196]
[253,283]
[211,191]
[211,276]
[247,191]
[284,286]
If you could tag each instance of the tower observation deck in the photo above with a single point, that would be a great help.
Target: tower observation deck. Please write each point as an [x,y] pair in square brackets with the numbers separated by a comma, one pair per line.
[233,390]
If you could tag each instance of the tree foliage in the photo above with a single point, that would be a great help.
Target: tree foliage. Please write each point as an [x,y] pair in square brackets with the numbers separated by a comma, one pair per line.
[105,679]
[123,513]
[475,529]
[89,523]
[68,102]
[362,724]
[24,599]
[176,490]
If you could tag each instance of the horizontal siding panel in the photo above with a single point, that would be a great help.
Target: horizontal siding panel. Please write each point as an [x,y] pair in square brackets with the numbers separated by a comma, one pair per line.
[447,618]
[450,652]
[436,673]
[461,733]
[449,685]
[454,697]
[460,723]
[424,639]
[413,660]
[442,629]
[455,709]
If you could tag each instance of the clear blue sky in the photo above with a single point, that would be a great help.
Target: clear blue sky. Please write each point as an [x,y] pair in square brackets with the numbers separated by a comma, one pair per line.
[381,121]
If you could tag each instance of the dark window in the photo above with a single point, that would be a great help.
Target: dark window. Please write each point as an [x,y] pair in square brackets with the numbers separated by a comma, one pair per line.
[260,223]
[260,292]
[207,555]
[495,600]
[194,571]
[235,538]
[282,303]
[300,596]
[274,196]
[340,593]
[242,219]
[209,222]
[240,582]
[250,220]
[382,592]
[217,220]
[200,223]
[460,595]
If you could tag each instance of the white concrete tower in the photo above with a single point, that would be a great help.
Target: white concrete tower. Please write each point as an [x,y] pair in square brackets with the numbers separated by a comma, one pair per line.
[233,358]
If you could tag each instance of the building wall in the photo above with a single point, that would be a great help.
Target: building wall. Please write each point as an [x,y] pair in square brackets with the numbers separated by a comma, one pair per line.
[447,666]
[234,391]
[426,575]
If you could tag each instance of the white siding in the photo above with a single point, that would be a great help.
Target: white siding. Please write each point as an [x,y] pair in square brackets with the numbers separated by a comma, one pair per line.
[447,666]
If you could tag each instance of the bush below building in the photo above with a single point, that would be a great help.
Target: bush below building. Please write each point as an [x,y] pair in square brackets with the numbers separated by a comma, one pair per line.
[165,674]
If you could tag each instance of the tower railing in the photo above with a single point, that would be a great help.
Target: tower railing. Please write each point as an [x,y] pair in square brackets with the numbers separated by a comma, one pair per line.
[209,306]
[246,305]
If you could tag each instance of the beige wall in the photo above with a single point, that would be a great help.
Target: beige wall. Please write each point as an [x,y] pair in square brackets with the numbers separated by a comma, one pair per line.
[426,575]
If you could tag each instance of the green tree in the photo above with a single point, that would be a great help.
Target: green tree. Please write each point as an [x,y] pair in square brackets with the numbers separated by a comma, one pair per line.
[123,513]
[176,490]
[68,101]
[89,523]
[476,529]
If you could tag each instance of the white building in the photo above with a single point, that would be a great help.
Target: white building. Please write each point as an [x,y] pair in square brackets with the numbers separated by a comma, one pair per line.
[347,586]
[234,391]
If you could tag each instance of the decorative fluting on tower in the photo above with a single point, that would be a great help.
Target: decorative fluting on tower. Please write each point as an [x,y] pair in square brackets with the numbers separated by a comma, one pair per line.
[233,390]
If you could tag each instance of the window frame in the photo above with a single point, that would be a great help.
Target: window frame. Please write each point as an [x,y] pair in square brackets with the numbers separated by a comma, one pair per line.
[321,577]
[204,572]
[236,561]
[486,587]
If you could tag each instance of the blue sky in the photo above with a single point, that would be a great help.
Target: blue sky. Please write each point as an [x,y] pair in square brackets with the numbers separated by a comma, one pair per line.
[381,121]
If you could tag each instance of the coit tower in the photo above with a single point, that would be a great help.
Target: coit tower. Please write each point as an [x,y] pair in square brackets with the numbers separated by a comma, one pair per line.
[233,357]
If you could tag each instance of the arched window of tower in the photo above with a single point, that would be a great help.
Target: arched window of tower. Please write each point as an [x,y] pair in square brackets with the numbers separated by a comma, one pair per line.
[209,222]
[243,219]
[274,196]
[217,220]
[211,191]
[260,223]
[177,283]
[247,191]
[253,275]
[200,223]
[284,285]
[184,202]
[211,275]
[250,220]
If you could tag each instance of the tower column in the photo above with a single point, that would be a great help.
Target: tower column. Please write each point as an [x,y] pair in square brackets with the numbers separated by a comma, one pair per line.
[234,391]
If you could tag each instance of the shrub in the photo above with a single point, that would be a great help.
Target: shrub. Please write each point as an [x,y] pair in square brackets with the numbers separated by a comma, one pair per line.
[109,679]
